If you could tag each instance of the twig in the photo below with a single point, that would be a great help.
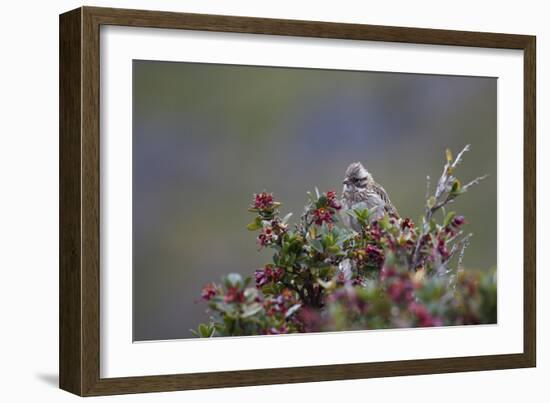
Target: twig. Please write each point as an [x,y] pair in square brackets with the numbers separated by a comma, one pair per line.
[458,158]
[465,244]
[455,247]
[474,182]
[427,186]
[444,194]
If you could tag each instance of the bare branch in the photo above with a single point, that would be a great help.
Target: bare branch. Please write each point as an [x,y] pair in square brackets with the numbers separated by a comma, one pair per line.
[458,158]
[462,244]
[445,193]
[459,245]
[465,243]
[474,182]
[427,186]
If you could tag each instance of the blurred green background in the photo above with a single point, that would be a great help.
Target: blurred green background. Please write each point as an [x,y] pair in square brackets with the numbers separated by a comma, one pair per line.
[206,137]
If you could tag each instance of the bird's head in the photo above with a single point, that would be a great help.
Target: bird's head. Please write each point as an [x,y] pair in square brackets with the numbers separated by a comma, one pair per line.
[357,177]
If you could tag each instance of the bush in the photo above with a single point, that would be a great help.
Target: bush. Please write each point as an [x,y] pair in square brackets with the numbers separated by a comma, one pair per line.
[324,276]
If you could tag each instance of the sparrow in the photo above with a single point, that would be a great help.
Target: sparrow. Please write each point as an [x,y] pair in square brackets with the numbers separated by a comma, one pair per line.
[361,191]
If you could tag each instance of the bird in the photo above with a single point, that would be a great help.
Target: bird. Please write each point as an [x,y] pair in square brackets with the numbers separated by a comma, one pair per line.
[361,191]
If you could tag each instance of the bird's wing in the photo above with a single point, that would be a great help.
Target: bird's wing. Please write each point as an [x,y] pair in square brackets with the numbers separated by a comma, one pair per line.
[390,208]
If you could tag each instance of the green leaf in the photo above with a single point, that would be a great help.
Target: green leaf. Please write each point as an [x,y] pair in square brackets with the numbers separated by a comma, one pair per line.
[269,289]
[327,285]
[233,280]
[313,232]
[390,259]
[255,225]
[362,213]
[222,307]
[204,330]
[296,245]
[317,245]
[449,155]
[251,310]
[292,310]
[431,202]
[251,294]
[384,222]
[321,202]
[450,215]
[286,218]
[456,186]
[291,259]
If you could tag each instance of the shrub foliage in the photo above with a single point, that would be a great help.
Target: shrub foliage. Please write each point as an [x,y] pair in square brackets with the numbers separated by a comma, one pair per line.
[324,276]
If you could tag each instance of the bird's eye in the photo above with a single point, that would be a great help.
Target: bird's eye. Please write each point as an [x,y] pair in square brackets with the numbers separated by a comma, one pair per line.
[360,182]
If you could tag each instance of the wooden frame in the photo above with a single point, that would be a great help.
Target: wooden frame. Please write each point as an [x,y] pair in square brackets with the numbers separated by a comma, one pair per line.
[79,201]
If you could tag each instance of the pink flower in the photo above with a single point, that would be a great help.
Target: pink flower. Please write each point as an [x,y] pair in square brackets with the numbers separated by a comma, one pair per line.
[401,290]
[458,220]
[357,281]
[268,274]
[454,226]
[277,273]
[265,237]
[442,249]
[208,291]
[387,272]
[335,204]
[280,303]
[375,231]
[280,330]
[332,201]
[425,319]
[341,277]
[234,294]
[278,227]
[322,215]
[261,277]
[407,223]
[375,255]
[310,319]
[263,201]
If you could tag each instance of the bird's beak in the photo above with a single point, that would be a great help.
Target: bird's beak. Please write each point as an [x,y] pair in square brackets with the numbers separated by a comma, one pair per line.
[345,182]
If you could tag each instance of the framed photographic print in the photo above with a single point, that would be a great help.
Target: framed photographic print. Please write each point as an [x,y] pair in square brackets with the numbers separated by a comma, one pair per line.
[249,201]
